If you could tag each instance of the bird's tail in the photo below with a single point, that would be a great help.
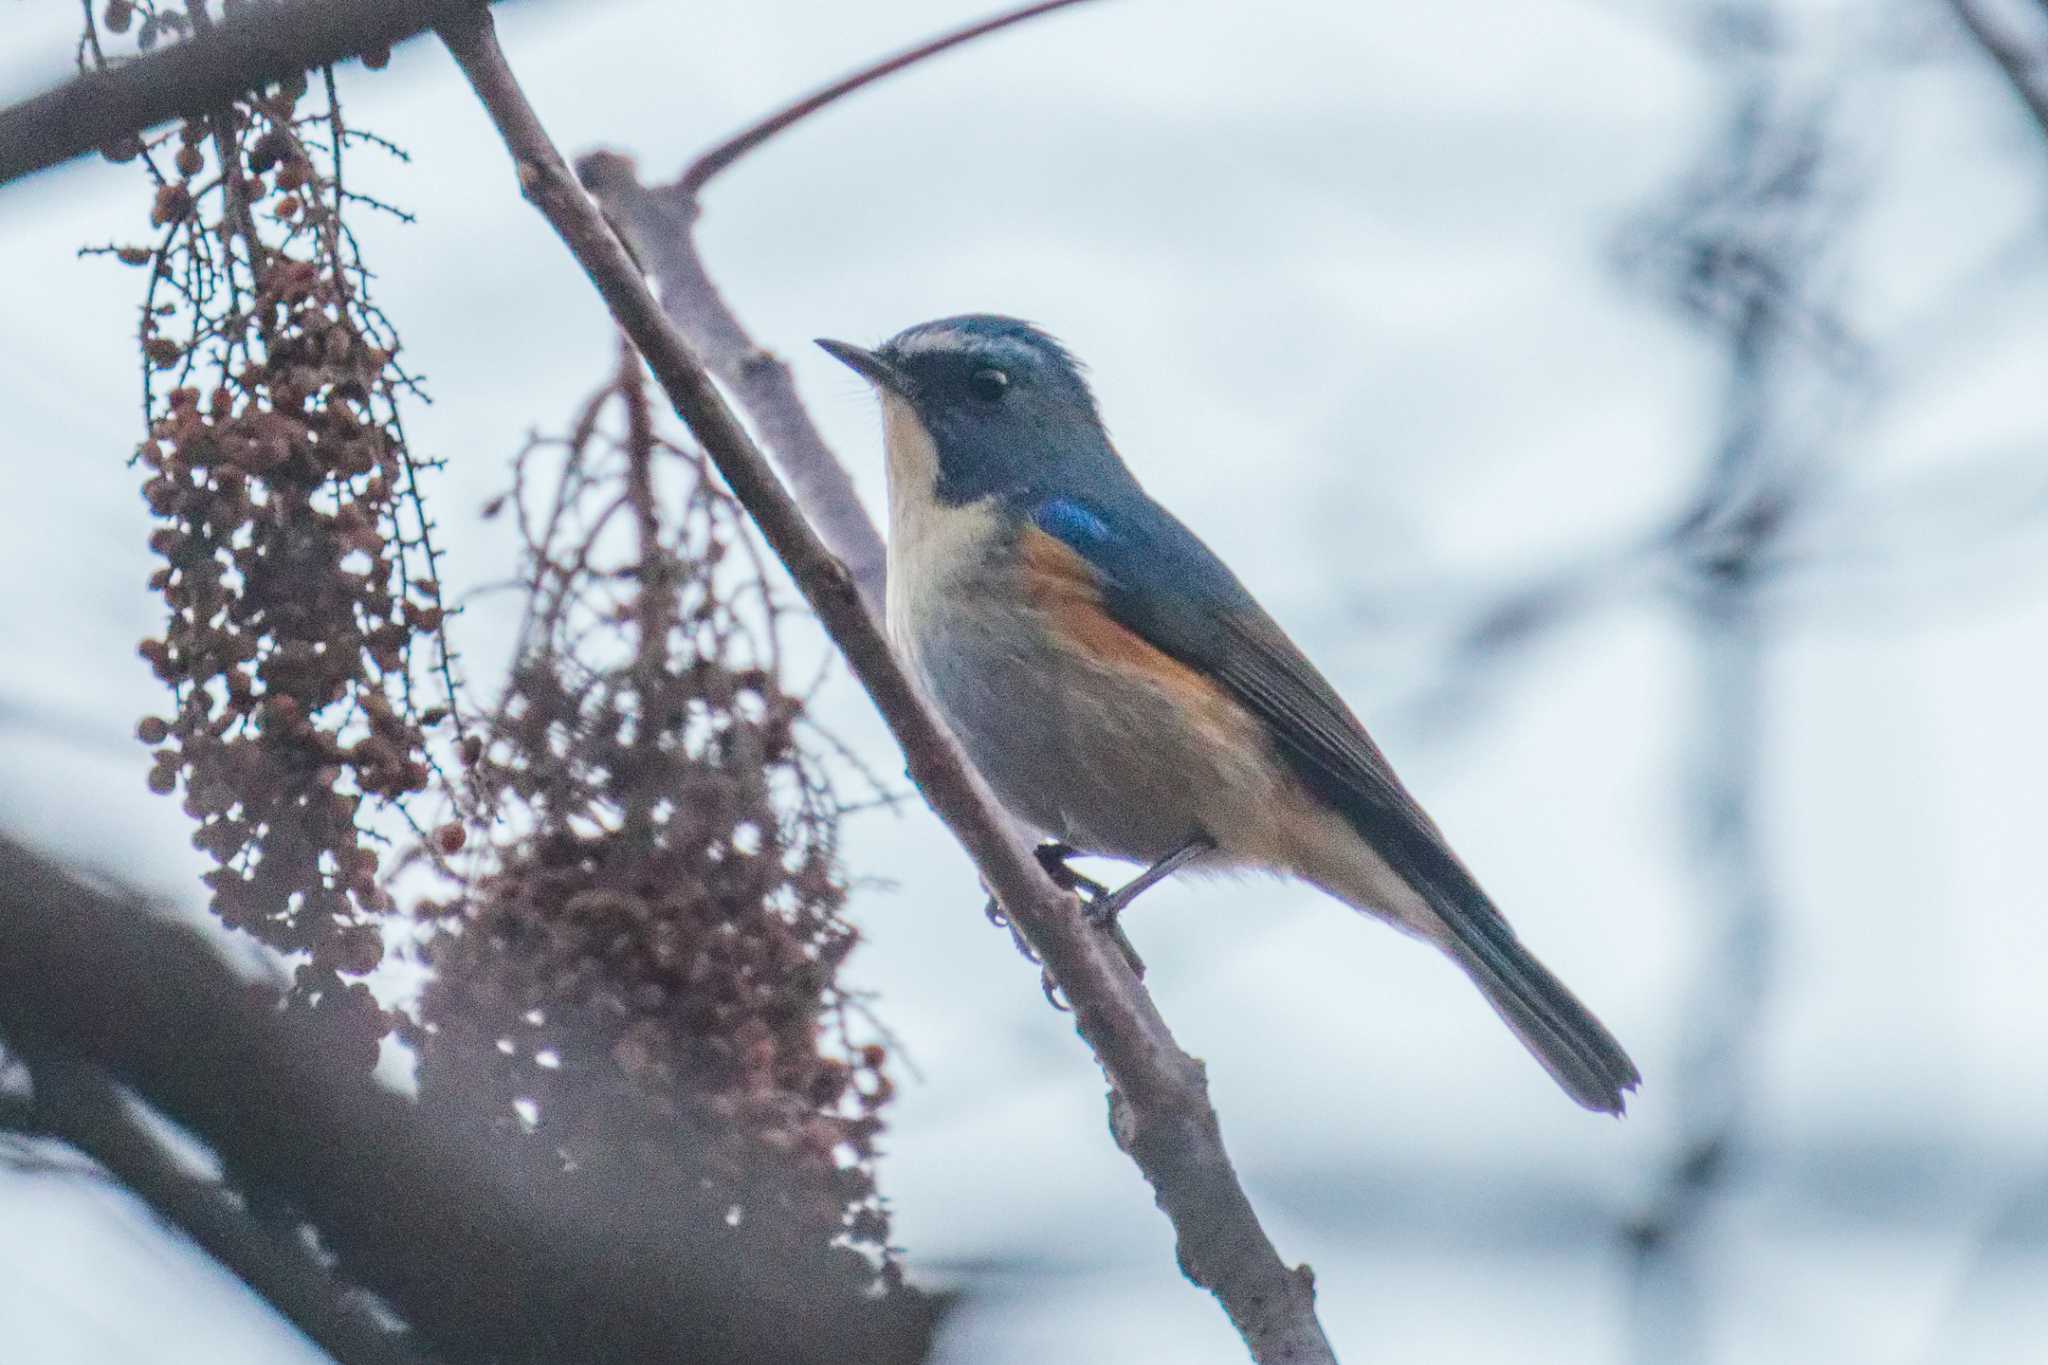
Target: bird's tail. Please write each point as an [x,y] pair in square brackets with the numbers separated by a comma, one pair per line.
[1446,905]
[1562,1034]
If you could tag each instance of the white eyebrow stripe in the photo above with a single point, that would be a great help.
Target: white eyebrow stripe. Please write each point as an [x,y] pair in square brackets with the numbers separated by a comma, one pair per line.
[954,339]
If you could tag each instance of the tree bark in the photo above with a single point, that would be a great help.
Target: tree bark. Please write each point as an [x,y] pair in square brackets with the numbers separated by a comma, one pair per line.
[258,45]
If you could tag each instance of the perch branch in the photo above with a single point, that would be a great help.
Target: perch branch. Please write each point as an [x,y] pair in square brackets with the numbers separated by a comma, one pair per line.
[1161,1110]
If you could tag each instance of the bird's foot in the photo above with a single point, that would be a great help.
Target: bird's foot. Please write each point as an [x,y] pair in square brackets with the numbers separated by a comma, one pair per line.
[1099,905]
[1052,991]
[1052,856]
[994,910]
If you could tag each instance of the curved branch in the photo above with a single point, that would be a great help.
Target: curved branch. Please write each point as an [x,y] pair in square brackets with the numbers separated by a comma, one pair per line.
[661,229]
[1161,1110]
[739,144]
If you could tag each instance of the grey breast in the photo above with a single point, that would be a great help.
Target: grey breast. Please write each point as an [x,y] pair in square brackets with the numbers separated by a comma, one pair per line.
[1082,752]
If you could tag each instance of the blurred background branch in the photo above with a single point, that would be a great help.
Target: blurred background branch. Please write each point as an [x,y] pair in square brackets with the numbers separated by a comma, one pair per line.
[77,1104]
[479,1264]
[2016,41]
[1748,247]
[1740,247]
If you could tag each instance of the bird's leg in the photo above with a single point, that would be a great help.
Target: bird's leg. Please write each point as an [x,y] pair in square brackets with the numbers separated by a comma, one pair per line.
[1100,904]
[1105,909]
[1052,856]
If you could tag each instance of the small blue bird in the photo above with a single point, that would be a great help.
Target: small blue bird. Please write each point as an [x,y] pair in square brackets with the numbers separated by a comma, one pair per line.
[1125,695]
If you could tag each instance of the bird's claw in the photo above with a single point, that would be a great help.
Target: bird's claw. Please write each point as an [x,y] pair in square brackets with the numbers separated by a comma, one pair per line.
[1052,991]
[1099,905]
[994,910]
[1053,858]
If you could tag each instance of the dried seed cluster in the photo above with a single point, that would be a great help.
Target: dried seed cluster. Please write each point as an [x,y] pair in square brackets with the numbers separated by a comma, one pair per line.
[644,958]
[296,571]
[636,972]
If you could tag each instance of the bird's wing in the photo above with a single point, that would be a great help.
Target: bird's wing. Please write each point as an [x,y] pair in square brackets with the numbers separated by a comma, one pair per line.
[1158,580]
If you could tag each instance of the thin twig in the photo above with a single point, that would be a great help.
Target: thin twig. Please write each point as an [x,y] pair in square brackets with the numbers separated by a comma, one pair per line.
[739,144]
[1160,1105]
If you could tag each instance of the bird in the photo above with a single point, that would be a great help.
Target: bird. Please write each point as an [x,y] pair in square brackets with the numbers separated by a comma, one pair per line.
[1123,693]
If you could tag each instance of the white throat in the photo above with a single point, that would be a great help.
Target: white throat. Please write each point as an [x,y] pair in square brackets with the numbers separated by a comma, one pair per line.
[931,545]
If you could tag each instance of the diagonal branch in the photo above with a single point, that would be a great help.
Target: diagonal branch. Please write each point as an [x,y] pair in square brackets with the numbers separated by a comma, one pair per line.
[2025,69]
[1160,1109]
[659,224]
[258,45]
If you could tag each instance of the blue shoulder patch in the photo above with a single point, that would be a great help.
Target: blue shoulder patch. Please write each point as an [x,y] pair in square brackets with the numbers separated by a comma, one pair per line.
[1073,522]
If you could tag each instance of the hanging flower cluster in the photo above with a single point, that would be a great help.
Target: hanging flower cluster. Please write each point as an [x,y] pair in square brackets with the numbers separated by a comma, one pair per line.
[636,954]
[642,959]
[302,601]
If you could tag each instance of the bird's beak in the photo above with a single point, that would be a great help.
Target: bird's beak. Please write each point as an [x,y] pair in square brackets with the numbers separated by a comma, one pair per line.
[865,363]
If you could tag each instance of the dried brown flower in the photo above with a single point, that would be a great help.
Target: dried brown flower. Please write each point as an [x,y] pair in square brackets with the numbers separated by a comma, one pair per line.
[645,953]
[302,602]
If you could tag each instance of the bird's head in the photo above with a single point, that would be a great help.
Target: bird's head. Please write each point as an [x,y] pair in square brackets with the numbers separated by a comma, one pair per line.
[983,405]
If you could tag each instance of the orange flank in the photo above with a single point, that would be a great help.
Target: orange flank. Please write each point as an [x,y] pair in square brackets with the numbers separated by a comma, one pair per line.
[1062,585]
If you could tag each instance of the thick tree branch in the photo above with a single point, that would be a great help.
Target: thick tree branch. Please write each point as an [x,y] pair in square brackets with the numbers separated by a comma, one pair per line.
[261,43]
[76,1103]
[1161,1110]
[659,224]
[414,1203]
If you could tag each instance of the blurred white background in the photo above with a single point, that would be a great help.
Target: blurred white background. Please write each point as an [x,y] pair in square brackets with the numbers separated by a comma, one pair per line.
[1347,276]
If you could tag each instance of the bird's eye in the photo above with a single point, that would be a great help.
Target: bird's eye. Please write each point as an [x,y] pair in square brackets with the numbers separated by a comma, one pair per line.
[988,385]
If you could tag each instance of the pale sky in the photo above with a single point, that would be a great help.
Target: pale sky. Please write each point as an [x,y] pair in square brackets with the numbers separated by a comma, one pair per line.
[1344,274]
